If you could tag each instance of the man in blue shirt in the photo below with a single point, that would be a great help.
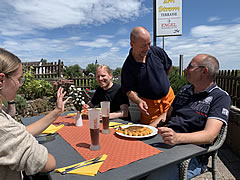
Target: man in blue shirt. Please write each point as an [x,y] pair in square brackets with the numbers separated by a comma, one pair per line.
[144,77]
[198,111]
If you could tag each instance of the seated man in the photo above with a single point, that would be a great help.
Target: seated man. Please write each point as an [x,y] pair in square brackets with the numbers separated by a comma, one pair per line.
[109,91]
[198,111]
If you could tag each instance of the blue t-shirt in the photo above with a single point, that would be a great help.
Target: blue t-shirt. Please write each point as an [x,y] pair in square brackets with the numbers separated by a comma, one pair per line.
[191,111]
[148,79]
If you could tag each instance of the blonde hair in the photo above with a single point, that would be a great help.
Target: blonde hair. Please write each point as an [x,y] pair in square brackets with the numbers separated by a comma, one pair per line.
[106,68]
[9,63]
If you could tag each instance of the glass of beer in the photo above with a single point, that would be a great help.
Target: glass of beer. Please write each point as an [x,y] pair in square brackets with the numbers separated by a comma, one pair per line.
[105,108]
[94,118]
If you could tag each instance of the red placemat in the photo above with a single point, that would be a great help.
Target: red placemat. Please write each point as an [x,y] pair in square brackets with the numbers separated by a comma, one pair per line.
[121,151]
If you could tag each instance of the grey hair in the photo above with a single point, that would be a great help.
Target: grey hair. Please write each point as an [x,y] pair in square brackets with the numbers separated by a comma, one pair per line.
[212,64]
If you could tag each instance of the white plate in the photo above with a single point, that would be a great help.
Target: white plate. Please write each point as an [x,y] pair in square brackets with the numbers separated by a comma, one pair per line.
[154,131]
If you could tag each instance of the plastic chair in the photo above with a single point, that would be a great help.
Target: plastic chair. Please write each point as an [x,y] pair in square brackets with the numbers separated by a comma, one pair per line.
[212,150]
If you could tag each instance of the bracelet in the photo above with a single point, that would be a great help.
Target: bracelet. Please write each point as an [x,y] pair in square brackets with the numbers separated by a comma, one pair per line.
[11,102]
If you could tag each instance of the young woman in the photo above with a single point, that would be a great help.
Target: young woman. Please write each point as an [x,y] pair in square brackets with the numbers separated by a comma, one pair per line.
[19,150]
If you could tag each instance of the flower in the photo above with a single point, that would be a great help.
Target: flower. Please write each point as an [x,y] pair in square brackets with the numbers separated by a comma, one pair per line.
[77,96]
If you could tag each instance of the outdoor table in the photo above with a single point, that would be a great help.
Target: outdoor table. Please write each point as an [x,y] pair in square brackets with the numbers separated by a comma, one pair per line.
[65,155]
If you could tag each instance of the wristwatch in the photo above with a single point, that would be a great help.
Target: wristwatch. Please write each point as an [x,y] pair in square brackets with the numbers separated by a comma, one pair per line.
[11,102]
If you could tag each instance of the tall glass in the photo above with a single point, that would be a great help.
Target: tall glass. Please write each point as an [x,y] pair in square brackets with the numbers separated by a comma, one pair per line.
[105,108]
[94,118]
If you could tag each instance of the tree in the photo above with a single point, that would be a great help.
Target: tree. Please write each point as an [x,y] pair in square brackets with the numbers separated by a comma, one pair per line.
[117,72]
[73,71]
[44,61]
[91,68]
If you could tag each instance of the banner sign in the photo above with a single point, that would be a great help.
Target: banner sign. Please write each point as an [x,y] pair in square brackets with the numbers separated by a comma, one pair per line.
[168,17]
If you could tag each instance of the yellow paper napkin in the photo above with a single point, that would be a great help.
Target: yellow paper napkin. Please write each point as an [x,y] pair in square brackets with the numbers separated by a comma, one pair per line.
[116,124]
[52,129]
[90,170]
[71,114]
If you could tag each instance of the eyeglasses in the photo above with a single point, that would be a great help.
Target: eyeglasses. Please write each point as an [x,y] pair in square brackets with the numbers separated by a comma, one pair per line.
[190,66]
[21,81]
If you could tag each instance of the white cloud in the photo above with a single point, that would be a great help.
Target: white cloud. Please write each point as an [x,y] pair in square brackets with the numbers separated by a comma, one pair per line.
[45,14]
[124,43]
[214,18]
[220,41]
[98,43]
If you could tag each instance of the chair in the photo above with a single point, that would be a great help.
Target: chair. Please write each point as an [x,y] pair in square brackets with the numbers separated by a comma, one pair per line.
[212,150]
[134,112]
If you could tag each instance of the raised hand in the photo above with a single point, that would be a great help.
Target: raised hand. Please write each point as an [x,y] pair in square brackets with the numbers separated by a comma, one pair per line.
[60,102]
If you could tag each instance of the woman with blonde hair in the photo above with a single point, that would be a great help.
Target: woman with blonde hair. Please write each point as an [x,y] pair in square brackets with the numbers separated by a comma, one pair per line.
[19,150]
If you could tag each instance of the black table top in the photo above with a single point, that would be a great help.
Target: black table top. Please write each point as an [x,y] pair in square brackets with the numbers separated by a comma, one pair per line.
[66,155]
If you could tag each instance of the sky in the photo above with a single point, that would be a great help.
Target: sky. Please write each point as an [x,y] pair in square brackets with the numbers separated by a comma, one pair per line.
[83,31]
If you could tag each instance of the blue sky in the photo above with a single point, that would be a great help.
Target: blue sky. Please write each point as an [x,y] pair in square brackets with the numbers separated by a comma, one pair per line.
[81,31]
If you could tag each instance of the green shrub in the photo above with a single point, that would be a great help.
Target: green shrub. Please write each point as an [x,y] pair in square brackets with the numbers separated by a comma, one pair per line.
[33,88]
[176,80]
[20,104]
[94,84]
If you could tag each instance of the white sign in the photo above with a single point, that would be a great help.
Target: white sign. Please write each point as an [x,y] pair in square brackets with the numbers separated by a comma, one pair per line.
[169,17]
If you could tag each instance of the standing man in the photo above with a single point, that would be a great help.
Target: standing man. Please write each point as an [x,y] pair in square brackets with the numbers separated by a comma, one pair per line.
[109,91]
[144,77]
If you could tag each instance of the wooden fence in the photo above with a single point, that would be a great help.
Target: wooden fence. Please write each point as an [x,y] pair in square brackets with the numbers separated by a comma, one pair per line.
[47,71]
[227,80]
[230,82]
[54,71]
[84,82]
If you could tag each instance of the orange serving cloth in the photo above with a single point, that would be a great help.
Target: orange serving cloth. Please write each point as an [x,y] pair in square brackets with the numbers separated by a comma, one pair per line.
[157,107]
[121,151]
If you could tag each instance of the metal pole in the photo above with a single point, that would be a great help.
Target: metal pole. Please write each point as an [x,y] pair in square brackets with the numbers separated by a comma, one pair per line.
[181,65]
[163,42]
[154,23]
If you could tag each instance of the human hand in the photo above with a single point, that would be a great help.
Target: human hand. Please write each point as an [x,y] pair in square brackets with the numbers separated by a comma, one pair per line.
[85,106]
[169,136]
[60,103]
[143,107]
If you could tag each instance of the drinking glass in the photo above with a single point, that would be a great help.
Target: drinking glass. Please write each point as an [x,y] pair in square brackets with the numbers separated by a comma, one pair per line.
[94,118]
[105,108]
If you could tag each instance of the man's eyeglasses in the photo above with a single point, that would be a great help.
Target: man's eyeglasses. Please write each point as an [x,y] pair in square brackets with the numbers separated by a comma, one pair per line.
[190,66]
[21,81]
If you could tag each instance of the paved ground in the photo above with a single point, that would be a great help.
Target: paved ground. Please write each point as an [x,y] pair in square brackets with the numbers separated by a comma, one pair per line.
[228,166]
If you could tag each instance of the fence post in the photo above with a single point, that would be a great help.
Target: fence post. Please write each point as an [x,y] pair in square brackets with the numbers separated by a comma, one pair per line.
[59,68]
[181,65]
